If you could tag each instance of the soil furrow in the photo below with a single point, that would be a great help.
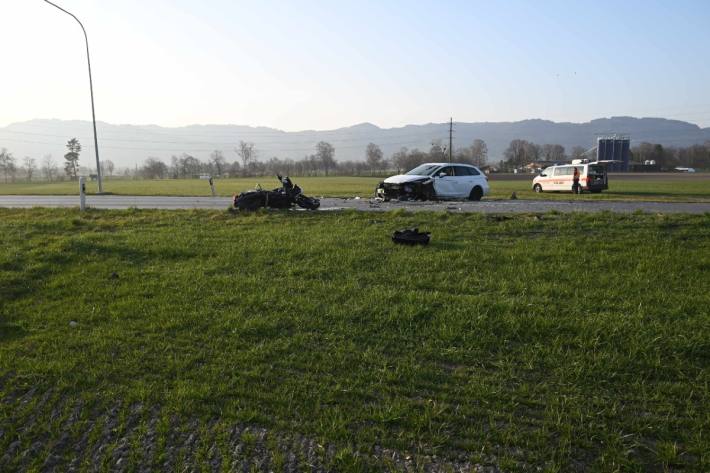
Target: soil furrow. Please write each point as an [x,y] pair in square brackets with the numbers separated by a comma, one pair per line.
[103,443]
[128,438]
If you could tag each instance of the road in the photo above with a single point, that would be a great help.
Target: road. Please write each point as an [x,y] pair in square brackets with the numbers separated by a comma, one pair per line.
[486,206]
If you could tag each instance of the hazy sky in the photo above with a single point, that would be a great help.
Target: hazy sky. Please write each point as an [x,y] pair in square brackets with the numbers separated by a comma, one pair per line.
[319,65]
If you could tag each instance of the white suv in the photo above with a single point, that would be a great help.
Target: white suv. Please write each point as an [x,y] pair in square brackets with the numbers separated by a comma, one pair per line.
[432,181]
[592,178]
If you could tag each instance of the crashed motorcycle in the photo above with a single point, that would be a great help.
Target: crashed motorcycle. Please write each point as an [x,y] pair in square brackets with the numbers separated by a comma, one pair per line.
[283,197]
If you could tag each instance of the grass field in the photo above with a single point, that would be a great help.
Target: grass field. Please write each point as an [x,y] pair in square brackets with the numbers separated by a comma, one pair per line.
[670,188]
[303,341]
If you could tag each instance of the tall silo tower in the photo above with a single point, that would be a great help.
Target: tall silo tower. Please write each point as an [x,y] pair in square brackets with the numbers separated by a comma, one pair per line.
[614,147]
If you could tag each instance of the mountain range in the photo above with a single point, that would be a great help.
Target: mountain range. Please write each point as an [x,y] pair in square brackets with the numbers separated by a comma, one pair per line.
[130,145]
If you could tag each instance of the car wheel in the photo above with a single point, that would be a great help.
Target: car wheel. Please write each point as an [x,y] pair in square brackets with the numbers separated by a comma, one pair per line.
[537,188]
[476,194]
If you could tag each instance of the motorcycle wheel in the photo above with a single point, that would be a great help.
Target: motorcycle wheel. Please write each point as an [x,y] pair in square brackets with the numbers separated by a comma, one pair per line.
[309,203]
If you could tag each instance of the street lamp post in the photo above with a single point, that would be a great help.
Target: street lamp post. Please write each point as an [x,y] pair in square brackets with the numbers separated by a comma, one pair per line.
[91,88]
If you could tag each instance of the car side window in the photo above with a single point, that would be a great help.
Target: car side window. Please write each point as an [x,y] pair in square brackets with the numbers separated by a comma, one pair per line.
[466,171]
[557,172]
[448,170]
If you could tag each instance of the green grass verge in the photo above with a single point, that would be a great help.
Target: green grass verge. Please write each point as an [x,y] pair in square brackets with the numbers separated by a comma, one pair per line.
[673,188]
[556,341]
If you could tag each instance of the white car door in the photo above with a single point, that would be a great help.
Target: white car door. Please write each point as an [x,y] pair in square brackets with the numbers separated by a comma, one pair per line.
[445,186]
[466,180]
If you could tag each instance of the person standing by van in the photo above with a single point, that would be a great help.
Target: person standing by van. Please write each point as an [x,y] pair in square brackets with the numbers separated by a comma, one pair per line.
[575,182]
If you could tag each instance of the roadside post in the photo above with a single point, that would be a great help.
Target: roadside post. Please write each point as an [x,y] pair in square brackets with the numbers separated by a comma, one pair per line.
[214,192]
[82,193]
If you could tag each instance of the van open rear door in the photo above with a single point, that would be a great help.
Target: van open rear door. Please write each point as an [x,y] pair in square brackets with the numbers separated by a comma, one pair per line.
[597,177]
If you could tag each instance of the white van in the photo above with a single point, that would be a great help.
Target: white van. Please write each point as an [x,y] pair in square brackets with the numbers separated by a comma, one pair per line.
[592,178]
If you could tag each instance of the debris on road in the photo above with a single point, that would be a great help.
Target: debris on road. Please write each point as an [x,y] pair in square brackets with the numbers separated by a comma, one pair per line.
[411,236]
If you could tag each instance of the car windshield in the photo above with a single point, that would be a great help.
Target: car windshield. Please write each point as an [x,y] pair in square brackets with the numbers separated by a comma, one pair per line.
[423,170]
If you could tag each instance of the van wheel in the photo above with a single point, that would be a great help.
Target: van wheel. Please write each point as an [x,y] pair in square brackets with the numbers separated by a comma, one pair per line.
[476,194]
[537,188]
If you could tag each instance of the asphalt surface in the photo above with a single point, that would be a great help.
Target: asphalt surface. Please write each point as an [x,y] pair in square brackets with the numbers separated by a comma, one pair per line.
[486,206]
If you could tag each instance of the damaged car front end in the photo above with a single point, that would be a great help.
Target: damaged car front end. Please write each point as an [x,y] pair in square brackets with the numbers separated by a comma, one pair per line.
[417,184]
[420,189]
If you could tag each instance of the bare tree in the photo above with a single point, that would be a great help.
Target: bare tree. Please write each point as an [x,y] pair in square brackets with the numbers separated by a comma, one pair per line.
[577,152]
[49,167]
[325,154]
[313,164]
[233,168]
[437,152]
[247,154]
[399,159]
[217,160]
[479,153]
[7,164]
[189,166]
[107,167]
[553,152]
[644,151]
[72,158]
[30,167]
[520,153]
[373,157]
[174,167]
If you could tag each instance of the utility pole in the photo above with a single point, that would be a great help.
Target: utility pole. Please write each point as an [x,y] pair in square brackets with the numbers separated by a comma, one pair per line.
[451,138]
[91,90]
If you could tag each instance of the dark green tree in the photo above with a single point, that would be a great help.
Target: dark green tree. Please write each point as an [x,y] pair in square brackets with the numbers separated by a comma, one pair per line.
[71,167]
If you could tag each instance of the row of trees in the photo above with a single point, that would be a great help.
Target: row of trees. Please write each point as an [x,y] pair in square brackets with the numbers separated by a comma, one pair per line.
[321,162]
[30,169]
[521,152]
[696,156]
[48,168]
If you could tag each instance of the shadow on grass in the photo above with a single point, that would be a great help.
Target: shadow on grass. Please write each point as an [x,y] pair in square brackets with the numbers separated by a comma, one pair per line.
[10,332]
[76,252]
[82,248]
